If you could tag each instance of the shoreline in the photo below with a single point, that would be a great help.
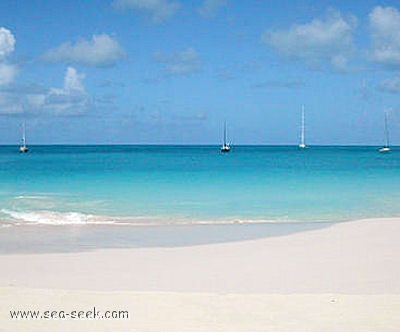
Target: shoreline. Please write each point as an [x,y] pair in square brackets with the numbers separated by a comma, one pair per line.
[84,238]
[75,238]
[54,218]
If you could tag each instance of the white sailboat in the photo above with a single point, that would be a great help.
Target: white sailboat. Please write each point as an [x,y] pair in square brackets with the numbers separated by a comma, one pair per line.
[302,144]
[225,147]
[386,147]
[23,147]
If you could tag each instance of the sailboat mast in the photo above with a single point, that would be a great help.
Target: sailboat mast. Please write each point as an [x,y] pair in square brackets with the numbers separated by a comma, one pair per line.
[302,144]
[23,134]
[386,131]
[302,139]
[225,133]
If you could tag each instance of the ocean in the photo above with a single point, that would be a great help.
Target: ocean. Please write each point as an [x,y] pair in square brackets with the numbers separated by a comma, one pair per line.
[127,190]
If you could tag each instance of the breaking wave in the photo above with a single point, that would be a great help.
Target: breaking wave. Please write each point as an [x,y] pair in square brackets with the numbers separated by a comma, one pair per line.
[55,218]
[46,217]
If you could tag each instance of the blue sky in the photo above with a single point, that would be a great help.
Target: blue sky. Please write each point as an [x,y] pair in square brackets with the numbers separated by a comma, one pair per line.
[172,71]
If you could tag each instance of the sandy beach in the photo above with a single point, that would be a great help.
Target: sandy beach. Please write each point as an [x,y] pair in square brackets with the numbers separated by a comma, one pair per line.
[343,277]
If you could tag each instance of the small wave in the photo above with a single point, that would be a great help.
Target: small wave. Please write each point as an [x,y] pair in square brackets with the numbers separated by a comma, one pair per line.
[54,218]
[224,222]
[31,197]
[46,217]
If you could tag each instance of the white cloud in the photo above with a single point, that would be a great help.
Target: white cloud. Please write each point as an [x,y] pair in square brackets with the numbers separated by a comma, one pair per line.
[319,42]
[180,63]
[7,45]
[385,33]
[7,42]
[102,50]
[210,8]
[72,99]
[158,10]
[73,81]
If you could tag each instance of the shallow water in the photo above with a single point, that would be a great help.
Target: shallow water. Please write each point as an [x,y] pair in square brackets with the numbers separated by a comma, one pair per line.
[171,184]
[73,198]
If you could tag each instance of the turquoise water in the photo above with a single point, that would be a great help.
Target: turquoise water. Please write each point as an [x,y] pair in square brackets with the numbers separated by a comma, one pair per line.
[196,184]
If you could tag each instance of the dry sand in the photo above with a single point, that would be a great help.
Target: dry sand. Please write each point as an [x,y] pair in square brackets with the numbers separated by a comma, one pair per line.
[342,278]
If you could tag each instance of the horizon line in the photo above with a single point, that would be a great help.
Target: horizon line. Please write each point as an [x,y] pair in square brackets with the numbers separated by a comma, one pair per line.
[194,145]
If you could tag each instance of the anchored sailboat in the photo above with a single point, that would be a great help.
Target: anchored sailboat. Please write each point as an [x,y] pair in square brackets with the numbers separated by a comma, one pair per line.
[302,144]
[386,146]
[225,147]
[23,147]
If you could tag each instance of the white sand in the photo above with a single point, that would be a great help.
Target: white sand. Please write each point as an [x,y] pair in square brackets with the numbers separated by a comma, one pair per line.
[342,278]
[205,312]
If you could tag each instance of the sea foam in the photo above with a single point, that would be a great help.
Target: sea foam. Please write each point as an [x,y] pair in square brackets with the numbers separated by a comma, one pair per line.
[46,217]
[51,217]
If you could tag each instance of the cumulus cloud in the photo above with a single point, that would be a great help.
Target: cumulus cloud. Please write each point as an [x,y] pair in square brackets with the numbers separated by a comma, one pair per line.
[319,42]
[101,50]
[210,8]
[180,63]
[7,45]
[71,99]
[7,42]
[385,27]
[158,10]
[16,99]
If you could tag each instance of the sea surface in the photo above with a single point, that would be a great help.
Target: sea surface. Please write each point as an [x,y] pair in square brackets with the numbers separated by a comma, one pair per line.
[158,192]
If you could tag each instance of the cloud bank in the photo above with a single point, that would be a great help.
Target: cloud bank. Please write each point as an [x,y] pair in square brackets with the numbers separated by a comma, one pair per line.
[158,10]
[100,51]
[181,63]
[210,8]
[385,35]
[320,42]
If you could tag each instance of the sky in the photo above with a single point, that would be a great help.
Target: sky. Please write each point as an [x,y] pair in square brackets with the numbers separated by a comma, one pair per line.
[173,71]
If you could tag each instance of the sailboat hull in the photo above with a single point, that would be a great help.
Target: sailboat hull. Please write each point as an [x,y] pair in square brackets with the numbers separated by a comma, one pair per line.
[225,148]
[385,149]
